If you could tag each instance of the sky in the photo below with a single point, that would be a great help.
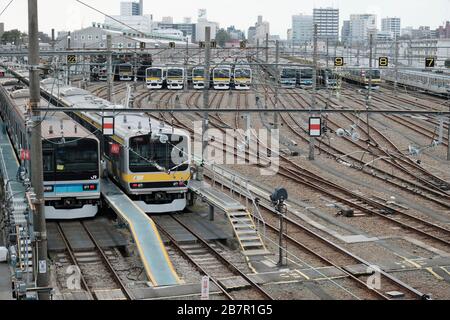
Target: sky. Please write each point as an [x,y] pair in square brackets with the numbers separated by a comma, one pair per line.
[71,15]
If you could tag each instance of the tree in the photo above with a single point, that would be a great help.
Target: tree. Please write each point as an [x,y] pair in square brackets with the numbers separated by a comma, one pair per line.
[12,36]
[222,37]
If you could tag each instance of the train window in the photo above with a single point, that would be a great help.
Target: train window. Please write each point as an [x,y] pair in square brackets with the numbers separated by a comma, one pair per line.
[48,160]
[146,155]
[77,156]
[89,37]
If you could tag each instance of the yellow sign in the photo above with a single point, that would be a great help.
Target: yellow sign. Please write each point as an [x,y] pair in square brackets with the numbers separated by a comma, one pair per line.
[383,62]
[71,58]
[339,61]
[430,62]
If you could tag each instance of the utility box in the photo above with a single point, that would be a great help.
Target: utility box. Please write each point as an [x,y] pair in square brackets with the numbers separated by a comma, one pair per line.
[3,254]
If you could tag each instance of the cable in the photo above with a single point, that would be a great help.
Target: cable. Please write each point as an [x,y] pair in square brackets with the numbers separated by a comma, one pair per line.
[6,7]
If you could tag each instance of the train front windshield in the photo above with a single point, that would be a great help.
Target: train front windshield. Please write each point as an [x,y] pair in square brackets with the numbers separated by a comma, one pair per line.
[154,73]
[306,73]
[221,73]
[73,160]
[375,74]
[243,73]
[288,74]
[175,73]
[147,154]
[199,73]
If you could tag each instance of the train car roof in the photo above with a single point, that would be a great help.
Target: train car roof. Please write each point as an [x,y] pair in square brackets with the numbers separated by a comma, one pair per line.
[70,129]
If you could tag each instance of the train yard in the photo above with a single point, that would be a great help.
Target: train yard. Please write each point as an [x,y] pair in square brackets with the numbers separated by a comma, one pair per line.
[367,219]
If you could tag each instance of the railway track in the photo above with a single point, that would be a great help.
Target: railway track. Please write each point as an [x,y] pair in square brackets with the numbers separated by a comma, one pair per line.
[307,240]
[428,185]
[212,261]
[97,274]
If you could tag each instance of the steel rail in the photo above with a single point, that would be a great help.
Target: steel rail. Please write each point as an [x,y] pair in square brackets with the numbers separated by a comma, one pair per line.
[231,266]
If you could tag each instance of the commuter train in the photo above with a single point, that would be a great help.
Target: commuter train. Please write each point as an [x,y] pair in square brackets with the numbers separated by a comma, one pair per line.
[305,77]
[221,77]
[155,77]
[363,77]
[148,160]
[124,72]
[429,82]
[198,78]
[71,155]
[327,78]
[242,77]
[288,77]
[175,78]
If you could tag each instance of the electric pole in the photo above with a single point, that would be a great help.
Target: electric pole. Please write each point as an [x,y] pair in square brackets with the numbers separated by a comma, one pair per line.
[206,90]
[267,48]
[277,61]
[312,140]
[396,65]
[110,67]
[37,167]
[369,90]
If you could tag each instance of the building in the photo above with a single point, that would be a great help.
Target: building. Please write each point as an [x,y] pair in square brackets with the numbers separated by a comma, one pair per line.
[2,29]
[302,28]
[385,36]
[131,8]
[423,32]
[412,53]
[289,35]
[392,25]
[345,32]
[188,29]
[95,38]
[200,30]
[251,35]
[142,23]
[443,32]
[235,34]
[327,20]
[262,28]
[361,27]
[167,20]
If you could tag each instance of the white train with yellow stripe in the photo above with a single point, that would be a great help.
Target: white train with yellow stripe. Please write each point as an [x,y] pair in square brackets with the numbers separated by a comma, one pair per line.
[155,77]
[175,78]
[148,160]
[242,76]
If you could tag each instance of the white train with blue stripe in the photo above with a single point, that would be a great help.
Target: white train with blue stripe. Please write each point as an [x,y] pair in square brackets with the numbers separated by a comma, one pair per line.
[71,155]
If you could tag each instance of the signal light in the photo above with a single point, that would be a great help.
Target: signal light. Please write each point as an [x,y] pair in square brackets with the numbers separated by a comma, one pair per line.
[137,185]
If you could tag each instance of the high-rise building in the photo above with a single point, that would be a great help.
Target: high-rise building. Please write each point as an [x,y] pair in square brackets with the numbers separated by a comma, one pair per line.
[361,26]
[327,20]
[235,34]
[131,8]
[302,28]
[392,25]
[262,28]
[443,32]
[251,35]
[345,32]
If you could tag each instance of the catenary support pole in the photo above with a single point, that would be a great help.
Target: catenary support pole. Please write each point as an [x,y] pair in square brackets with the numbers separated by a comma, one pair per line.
[37,175]
[312,140]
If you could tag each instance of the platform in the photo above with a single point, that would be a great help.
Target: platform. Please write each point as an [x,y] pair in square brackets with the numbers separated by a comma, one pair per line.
[158,267]
[5,282]
[9,166]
